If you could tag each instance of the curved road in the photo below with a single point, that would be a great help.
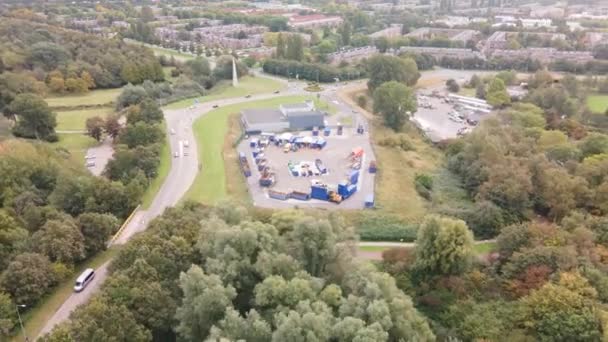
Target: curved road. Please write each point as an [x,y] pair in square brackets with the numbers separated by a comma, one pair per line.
[185,168]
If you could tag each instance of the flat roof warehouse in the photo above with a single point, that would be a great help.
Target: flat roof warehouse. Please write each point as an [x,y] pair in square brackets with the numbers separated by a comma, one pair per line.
[289,117]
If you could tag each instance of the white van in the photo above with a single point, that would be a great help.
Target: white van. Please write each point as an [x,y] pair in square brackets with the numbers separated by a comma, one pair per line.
[84,279]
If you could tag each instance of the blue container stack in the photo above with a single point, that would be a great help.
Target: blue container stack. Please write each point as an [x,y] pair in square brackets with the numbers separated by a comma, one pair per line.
[326,131]
[319,192]
[315,132]
[353,177]
[372,167]
[302,196]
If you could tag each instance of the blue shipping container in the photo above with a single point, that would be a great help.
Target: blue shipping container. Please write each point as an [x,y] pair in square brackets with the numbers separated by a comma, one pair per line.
[300,196]
[319,193]
[278,195]
[354,177]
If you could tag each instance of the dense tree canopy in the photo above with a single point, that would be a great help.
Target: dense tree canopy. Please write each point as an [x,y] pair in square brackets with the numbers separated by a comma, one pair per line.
[385,68]
[219,273]
[394,102]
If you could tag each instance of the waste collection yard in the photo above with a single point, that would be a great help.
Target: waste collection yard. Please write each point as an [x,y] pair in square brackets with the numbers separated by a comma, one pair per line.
[289,167]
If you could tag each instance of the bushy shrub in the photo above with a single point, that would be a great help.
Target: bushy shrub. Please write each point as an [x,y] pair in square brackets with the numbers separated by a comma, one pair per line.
[424,185]
[382,227]
[397,140]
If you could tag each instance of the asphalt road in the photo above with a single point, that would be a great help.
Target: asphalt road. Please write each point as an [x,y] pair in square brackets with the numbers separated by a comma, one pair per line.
[184,170]
[178,181]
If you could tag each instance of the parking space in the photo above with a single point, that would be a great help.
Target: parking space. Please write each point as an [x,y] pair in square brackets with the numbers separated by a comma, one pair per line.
[445,116]
[335,157]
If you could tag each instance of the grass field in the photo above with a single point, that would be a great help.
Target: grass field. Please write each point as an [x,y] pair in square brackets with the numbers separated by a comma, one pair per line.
[210,131]
[35,319]
[478,248]
[395,191]
[597,103]
[74,120]
[163,171]
[485,248]
[76,144]
[92,98]
[224,90]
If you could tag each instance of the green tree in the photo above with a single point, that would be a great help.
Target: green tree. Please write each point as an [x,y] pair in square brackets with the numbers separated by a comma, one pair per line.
[61,241]
[112,126]
[27,278]
[497,94]
[594,143]
[393,101]
[281,46]
[235,327]
[48,55]
[94,127]
[452,85]
[205,302]
[345,33]
[444,247]
[101,321]
[564,311]
[8,317]
[130,95]
[34,117]
[141,134]
[96,229]
[384,68]
[12,238]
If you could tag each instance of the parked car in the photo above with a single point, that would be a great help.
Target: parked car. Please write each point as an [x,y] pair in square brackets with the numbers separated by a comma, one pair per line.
[175,154]
[84,279]
[215,106]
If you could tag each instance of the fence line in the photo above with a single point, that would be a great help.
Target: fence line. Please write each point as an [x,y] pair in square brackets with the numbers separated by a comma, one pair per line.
[126,223]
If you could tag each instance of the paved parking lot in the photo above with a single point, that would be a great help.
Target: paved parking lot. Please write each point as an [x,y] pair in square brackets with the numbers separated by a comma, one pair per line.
[335,158]
[437,118]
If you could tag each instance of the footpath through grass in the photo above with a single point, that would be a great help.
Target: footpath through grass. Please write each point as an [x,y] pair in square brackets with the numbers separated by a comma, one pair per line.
[597,103]
[35,318]
[479,249]
[210,131]
[223,90]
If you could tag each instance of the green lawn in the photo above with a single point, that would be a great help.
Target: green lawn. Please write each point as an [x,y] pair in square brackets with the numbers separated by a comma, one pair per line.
[35,319]
[74,120]
[76,144]
[163,171]
[224,89]
[485,247]
[92,98]
[210,184]
[597,103]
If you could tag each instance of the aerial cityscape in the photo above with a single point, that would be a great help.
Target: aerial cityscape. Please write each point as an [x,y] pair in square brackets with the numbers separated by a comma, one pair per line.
[303,170]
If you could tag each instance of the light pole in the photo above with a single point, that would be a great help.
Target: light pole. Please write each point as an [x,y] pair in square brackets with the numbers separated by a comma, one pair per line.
[21,322]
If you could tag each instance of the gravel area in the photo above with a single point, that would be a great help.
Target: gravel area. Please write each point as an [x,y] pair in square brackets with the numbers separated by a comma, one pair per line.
[335,157]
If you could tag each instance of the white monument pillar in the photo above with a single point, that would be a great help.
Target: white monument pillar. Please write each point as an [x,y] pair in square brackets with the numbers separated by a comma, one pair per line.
[235,80]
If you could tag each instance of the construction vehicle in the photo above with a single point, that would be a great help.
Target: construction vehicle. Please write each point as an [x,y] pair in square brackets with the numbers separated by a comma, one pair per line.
[335,197]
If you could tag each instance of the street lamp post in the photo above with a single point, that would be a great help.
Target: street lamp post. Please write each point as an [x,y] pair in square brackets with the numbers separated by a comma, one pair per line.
[21,322]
